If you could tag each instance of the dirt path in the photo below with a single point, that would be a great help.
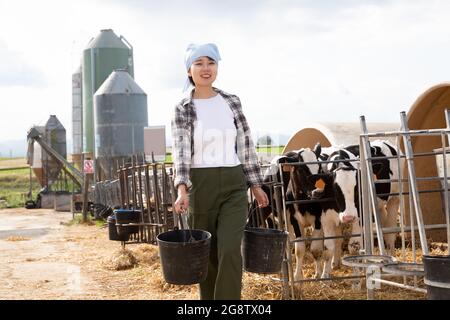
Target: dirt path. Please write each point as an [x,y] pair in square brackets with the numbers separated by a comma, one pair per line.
[42,258]
[33,265]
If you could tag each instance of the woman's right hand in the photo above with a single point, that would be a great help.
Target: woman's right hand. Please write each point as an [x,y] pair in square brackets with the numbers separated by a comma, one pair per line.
[182,202]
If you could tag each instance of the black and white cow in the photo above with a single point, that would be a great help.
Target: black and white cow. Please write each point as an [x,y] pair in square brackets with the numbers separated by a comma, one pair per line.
[272,174]
[300,216]
[388,204]
[305,215]
[325,154]
[344,179]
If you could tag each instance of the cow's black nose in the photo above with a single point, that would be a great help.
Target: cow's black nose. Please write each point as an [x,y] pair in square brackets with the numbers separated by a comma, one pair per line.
[316,194]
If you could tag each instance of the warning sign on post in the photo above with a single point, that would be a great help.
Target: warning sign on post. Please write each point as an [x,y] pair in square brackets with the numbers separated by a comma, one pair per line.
[88,166]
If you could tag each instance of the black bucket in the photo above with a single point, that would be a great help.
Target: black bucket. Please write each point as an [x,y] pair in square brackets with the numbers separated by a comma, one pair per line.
[263,250]
[437,277]
[125,216]
[112,230]
[184,262]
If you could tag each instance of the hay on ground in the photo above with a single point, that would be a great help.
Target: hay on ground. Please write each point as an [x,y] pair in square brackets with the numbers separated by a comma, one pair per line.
[17,238]
[146,254]
[122,260]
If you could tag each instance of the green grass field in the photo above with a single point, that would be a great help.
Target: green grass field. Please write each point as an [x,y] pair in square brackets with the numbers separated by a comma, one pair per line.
[8,163]
[14,183]
[272,150]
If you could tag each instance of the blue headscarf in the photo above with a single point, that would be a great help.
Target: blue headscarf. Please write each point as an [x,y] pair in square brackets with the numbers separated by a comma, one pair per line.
[195,51]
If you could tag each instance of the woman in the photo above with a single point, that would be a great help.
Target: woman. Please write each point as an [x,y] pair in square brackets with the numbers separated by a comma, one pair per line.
[215,161]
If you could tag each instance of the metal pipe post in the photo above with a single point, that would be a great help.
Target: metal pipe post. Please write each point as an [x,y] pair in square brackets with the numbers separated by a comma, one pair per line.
[288,246]
[368,244]
[371,184]
[412,179]
[444,155]
[402,200]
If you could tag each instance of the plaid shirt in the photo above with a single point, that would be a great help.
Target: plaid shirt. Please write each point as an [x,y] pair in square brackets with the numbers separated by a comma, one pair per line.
[183,140]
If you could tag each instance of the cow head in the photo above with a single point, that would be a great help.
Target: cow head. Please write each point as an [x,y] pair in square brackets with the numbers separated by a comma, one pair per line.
[342,156]
[346,193]
[300,173]
[342,186]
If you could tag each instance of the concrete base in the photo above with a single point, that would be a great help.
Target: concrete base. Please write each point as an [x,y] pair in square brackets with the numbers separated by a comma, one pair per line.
[47,200]
[63,202]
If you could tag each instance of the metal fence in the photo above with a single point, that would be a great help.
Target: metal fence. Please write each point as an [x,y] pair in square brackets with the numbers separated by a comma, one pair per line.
[410,191]
[375,264]
[148,187]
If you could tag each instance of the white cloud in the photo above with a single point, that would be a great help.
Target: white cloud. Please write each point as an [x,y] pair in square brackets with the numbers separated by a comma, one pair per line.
[291,62]
[16,71]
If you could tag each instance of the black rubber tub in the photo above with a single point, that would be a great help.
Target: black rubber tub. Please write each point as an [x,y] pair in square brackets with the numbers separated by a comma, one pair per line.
[263,250]
[184,260]
[112,230]
[126,216]
[437,277]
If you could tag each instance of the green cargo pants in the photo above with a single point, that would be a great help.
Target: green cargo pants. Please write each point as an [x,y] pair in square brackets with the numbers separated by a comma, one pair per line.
[218,204]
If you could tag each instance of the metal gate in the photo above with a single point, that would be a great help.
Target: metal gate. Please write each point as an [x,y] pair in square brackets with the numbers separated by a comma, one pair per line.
[378,264]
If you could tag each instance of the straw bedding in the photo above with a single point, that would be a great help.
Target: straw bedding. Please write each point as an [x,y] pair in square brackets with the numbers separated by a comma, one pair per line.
[146,263]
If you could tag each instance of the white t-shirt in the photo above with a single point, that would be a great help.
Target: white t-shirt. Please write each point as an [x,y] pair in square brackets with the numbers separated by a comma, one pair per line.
[214,134]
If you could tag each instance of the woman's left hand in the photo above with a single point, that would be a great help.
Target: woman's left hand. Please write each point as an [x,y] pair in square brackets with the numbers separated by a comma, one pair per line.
[260,196]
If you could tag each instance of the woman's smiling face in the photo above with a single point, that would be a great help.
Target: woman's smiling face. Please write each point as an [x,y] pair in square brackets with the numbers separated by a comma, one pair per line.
[203,71]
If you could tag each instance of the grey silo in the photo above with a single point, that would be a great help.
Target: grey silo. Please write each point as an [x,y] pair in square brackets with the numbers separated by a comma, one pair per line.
[55,135]
[120,113]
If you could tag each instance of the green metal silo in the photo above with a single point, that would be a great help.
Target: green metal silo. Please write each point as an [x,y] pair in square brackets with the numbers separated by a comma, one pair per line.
[103,55]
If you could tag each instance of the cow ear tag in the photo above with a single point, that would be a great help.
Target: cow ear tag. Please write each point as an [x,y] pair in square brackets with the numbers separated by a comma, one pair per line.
[320,184]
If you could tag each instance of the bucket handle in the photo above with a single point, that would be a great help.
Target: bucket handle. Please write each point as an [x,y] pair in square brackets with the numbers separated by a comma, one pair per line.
[183,221]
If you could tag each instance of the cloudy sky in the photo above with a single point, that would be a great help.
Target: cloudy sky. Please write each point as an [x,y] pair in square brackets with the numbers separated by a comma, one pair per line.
[291,62]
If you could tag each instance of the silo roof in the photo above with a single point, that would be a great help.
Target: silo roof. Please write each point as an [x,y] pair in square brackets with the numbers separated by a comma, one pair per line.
[53,123]
[107,39]
[119,82]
